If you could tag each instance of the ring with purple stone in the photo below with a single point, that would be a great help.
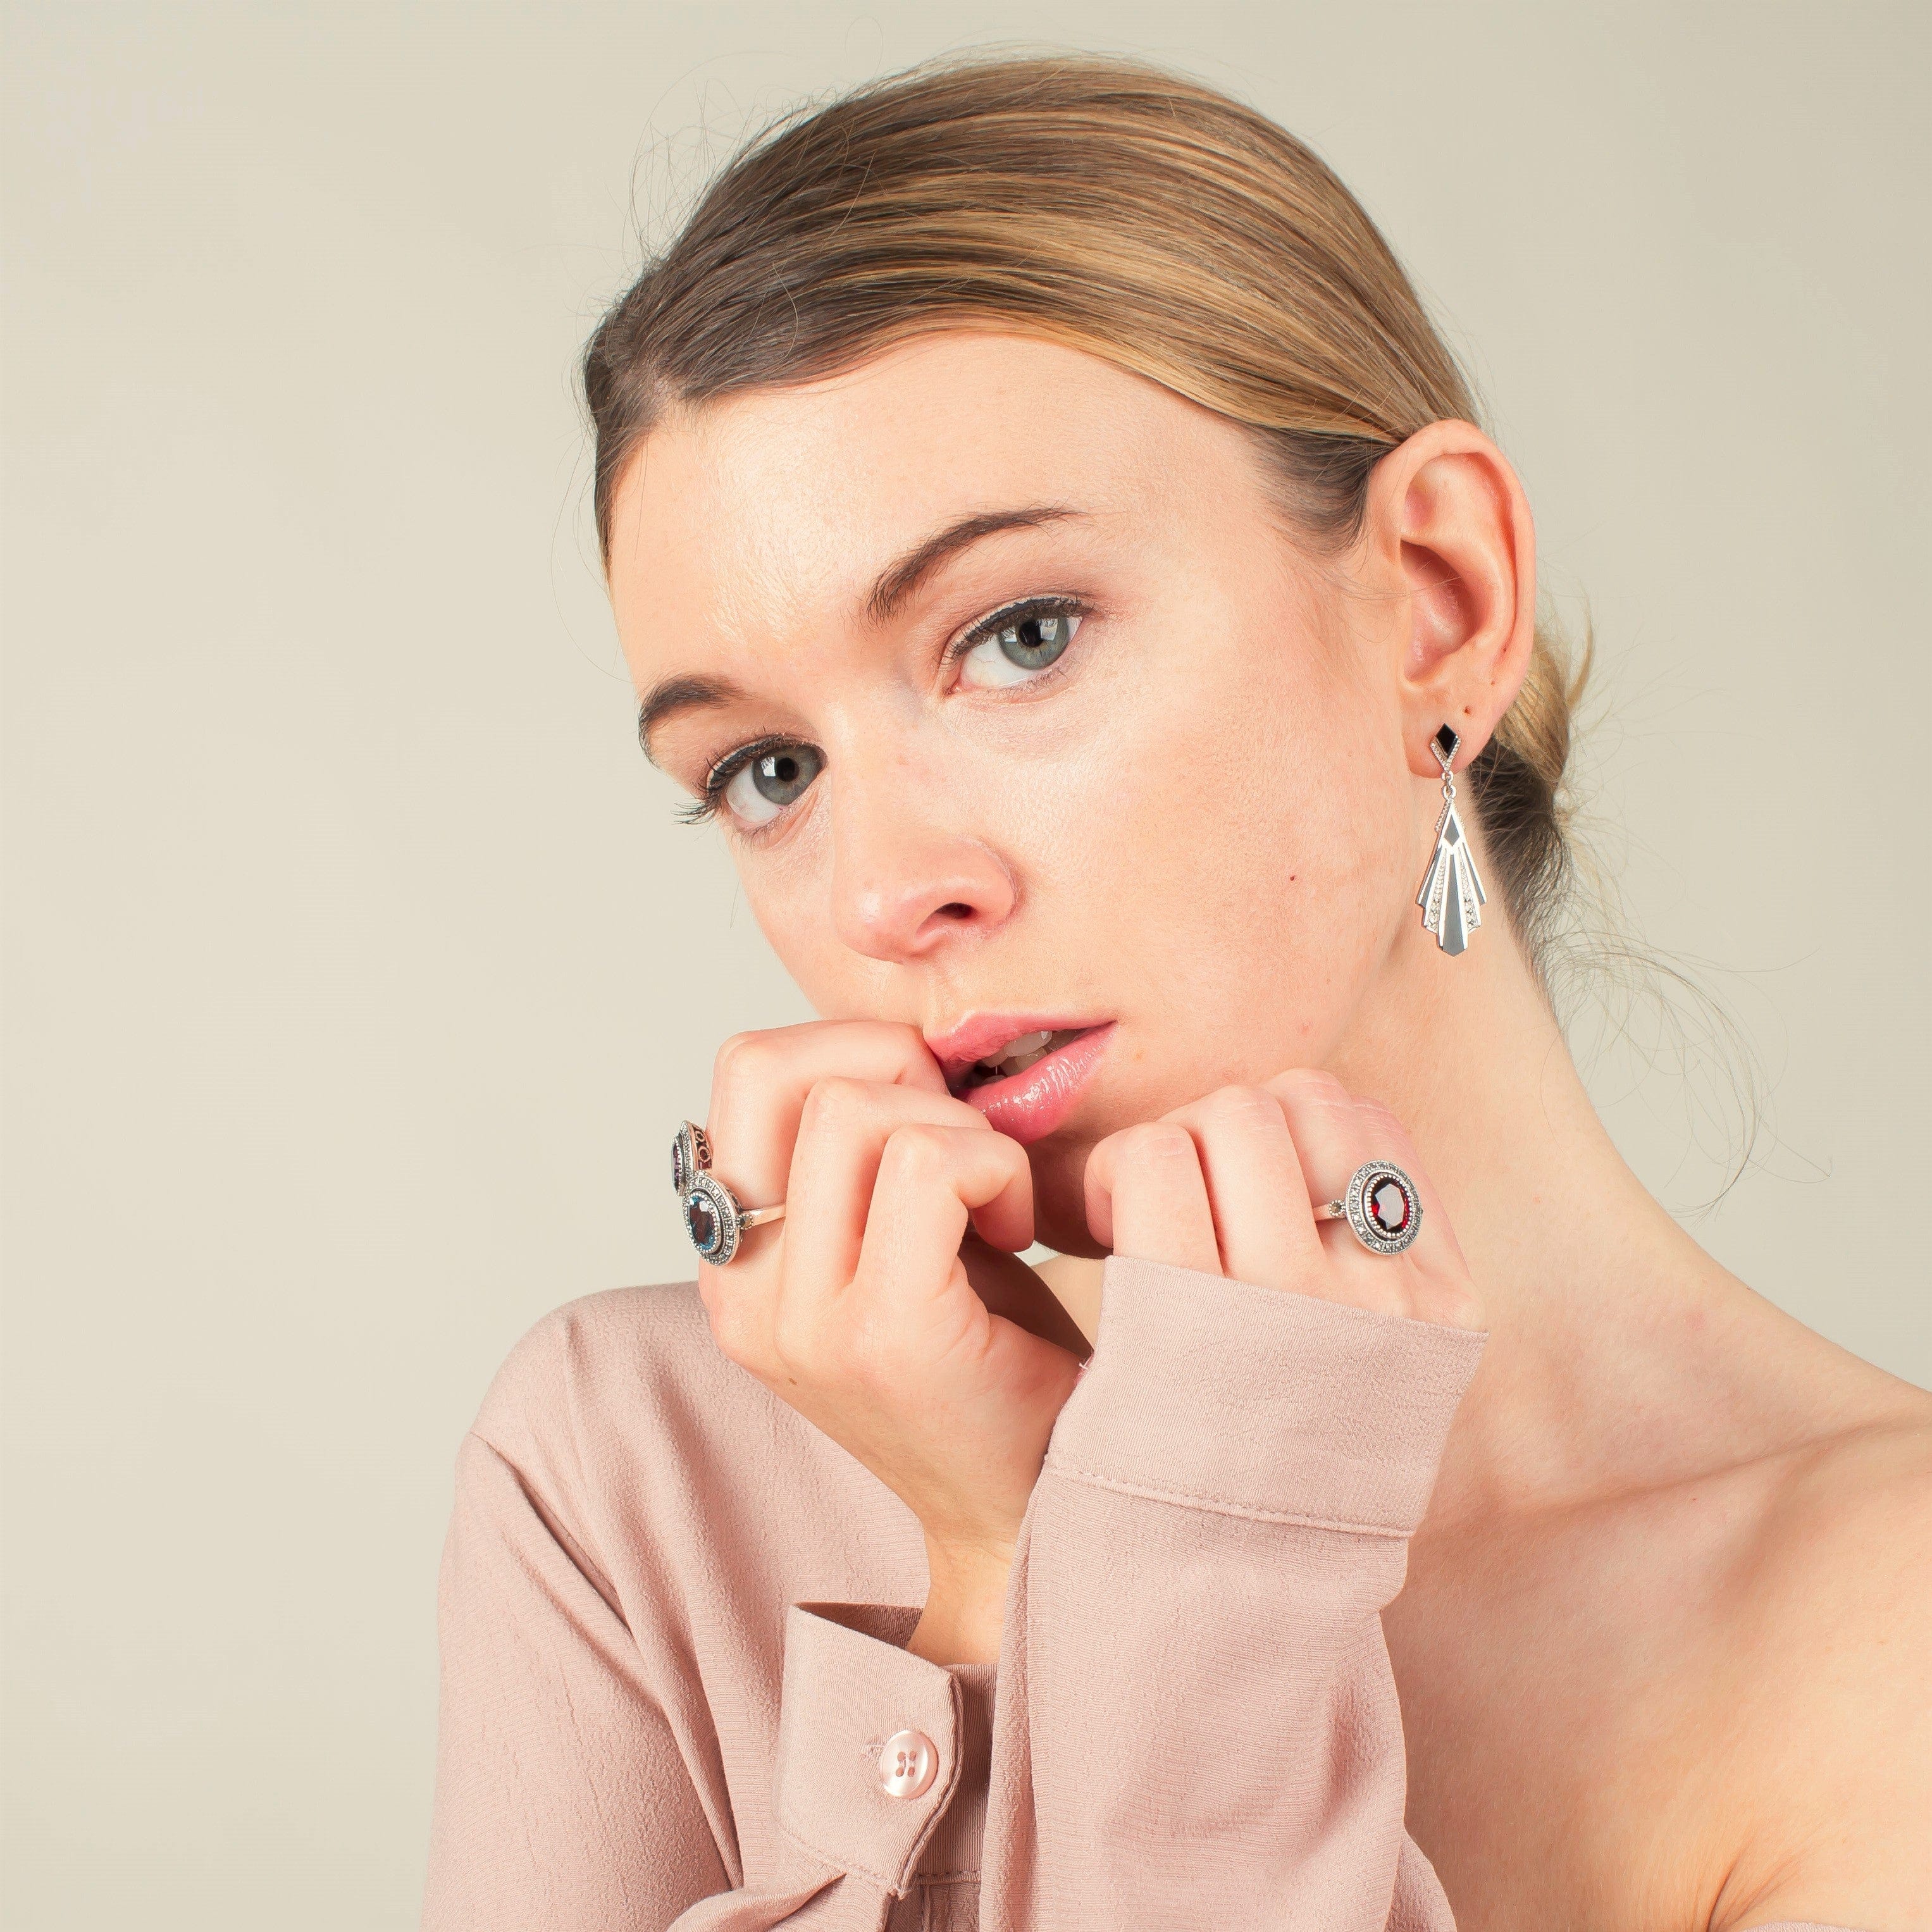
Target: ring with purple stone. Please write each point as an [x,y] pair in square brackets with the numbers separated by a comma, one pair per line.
[1381,1206]
[690,1154]
[715,1222]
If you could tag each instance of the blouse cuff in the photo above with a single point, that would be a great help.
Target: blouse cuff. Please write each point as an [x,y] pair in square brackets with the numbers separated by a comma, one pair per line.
[850,1686]
[1218,1394]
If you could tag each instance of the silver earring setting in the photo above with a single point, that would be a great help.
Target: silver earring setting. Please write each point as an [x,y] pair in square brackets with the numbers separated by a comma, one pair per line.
[1452,892]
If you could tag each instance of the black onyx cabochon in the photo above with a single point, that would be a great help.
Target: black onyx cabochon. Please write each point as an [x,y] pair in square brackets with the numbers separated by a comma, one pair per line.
[1447,743]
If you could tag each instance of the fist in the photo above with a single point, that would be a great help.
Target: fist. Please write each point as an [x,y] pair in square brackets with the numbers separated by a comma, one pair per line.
[1229,1185]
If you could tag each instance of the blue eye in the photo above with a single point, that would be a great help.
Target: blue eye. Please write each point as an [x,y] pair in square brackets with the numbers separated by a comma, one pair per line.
[1019,645]
[763,786]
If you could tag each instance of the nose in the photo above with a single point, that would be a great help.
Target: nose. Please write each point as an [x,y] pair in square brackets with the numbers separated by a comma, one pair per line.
[904,887]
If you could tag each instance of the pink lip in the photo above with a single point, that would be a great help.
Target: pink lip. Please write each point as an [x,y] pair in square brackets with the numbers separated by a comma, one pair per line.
[1026,1107]
[981,1035]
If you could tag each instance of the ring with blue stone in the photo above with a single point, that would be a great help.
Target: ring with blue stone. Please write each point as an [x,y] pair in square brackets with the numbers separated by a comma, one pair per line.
[1381,1206]
[715,1222]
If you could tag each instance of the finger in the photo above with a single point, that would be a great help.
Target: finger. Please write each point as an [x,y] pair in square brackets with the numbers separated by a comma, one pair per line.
[759,1087]
[1331,1138]
[1147,1197]
[1335,1133]
[844,1127]
[1440,1288]
[1262,1219]
[761,1082]
[1389,1139]
[932,1180]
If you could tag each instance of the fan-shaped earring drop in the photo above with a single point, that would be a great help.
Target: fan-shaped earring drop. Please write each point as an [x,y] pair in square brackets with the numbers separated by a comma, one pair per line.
[1452,894]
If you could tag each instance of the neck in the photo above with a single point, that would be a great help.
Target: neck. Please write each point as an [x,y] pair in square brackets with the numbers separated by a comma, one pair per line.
[1620,1355]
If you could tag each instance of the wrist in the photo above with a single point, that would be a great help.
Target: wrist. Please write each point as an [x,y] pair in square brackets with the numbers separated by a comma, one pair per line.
[965,1605]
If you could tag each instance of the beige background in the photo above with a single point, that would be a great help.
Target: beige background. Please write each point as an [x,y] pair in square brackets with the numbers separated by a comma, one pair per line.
[355,971]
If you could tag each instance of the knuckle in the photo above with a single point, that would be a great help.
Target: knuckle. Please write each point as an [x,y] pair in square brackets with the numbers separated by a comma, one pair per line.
[919,1152]
[833,1102]
[1315,1084]
[796,1349]
[1447,1296]
[1158,1143]
[907,1041]
[1244,1106]
[744,1061]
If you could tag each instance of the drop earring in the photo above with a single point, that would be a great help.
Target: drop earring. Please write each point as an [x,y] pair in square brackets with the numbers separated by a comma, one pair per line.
[1452,889]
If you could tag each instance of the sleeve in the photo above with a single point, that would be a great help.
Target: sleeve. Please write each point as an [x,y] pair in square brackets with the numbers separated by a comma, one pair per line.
[883,1759]
[1195,1725]
[562,1799]
[1192,1723]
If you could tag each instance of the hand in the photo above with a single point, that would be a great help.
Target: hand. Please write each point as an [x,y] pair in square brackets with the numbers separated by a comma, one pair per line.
[937,1359]
[1228,1184]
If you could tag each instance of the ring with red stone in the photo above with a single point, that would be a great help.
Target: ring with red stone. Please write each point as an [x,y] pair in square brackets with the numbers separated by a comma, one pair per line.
[690,1155]
[1381,1206]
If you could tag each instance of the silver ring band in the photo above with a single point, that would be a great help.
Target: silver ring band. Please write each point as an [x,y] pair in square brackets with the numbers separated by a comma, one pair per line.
[1381,1208]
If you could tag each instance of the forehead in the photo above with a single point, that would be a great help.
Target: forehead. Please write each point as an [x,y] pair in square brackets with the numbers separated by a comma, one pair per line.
[768,509]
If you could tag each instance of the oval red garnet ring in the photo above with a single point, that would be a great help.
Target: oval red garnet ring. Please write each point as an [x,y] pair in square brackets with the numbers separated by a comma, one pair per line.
[1381,1206]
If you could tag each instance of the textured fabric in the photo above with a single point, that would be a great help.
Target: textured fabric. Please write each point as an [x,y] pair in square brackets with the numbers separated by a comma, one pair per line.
[673,1615]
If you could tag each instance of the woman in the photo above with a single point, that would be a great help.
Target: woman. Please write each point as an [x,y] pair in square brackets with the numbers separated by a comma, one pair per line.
[1047,534]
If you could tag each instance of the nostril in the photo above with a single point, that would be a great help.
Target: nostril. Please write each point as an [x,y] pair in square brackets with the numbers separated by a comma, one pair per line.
[955,911]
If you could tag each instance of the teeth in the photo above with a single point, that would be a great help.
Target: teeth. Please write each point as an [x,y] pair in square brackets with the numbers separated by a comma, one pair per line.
[1020,1054]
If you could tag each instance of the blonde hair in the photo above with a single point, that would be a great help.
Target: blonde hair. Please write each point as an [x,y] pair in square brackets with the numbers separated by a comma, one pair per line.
[1135,214]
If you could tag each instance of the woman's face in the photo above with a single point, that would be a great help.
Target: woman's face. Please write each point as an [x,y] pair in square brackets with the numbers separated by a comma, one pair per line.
[1022,716]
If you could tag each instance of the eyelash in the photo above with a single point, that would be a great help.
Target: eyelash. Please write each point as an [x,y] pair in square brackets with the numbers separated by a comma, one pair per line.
[710,800]
[995,621]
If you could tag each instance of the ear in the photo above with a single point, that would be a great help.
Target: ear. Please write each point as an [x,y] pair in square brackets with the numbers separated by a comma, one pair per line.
[1448,528]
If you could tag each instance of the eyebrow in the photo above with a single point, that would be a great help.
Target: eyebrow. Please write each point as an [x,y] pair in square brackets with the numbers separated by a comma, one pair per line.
[681,694]
[893,586]
[898,581]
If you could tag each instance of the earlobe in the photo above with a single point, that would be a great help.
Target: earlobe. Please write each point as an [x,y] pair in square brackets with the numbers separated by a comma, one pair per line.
[1463,540]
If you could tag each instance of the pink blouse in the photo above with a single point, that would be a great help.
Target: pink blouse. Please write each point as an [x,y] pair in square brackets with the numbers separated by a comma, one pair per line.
[673,1616]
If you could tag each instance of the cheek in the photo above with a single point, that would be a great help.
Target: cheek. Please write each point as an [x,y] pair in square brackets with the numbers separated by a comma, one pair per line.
[1215,849]
[789,896]
[1243,844]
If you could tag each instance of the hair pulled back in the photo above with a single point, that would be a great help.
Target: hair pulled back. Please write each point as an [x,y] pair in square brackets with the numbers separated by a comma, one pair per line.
[1109,204]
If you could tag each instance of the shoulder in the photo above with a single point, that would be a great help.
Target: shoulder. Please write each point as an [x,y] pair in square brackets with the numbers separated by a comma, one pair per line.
[1829,1690]
[598,1349]
[1840,1563]
[1836,1572]
[629,1381]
